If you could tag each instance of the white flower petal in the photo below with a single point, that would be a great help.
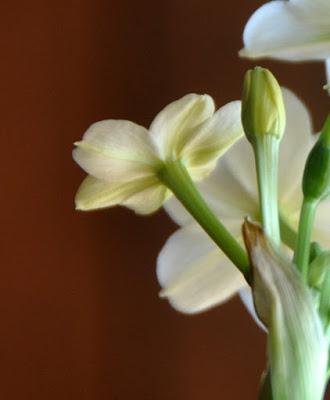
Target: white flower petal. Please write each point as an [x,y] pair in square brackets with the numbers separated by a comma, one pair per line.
[142,195]
[288,30]
[194,274]
[231,190]
[295,147]
[212,139]
[116,151]
[172,127]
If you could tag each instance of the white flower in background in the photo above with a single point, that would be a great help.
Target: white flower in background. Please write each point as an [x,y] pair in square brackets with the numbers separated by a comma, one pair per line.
[294,30]
[192,271]
[123,159]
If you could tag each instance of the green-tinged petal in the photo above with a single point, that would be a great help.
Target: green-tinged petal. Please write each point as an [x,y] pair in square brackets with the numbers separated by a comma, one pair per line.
[172,127]
[143,195]
[212,139]
[194,274]
[288,30]
[297,346]
[116,151]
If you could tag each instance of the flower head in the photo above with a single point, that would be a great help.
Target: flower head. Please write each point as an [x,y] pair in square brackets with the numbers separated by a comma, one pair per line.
[202,277]
[294,30]
[123,159]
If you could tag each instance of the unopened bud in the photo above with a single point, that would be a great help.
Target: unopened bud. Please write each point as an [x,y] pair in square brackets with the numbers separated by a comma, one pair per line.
[316,181]
[263,111]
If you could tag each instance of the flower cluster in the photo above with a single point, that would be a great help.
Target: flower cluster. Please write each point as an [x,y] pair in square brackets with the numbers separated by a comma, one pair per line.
[256,160]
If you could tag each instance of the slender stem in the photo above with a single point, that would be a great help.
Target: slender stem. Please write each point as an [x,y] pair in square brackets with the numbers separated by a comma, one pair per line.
[175,176]
[301,256]
[266,150]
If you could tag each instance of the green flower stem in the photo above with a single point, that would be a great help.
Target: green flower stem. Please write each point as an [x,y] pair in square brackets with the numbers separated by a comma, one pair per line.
[175,176]
[301,256]
[266,150]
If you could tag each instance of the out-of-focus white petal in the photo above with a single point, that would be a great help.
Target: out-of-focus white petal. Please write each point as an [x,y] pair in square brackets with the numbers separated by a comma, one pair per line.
[321,231]
[288,30]
[231,190]
[318,9]
[172,127]
[194,274]
[116,151]
[212,139]
[142,195]
[295,147]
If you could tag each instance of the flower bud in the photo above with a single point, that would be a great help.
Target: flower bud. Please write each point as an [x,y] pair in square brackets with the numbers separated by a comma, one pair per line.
[316,180]
[297,345]
[318,269]
[263,111]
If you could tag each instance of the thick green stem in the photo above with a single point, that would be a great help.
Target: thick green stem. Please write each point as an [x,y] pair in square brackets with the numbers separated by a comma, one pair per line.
[301,256]
[266,150]
[175,176]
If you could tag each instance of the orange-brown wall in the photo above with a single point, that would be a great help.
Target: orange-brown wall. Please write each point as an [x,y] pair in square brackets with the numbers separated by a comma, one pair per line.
[79,312]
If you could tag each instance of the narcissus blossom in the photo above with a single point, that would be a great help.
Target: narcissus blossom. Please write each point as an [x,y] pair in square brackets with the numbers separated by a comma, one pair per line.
[294,30]
[192,271]
[123,159]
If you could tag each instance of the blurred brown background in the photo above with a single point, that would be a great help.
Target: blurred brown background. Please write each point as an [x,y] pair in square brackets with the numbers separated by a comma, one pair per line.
[80,316]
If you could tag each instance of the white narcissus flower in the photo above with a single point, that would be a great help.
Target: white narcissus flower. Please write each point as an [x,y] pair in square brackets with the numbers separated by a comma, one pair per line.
[192,271]
[123,159]
[294,30]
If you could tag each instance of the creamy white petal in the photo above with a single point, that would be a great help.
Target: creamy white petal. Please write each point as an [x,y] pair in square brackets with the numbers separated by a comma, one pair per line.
[295,147]
[288,30]
[116,151]
[172,127]
[193,272]
[212,139]
[142,195]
